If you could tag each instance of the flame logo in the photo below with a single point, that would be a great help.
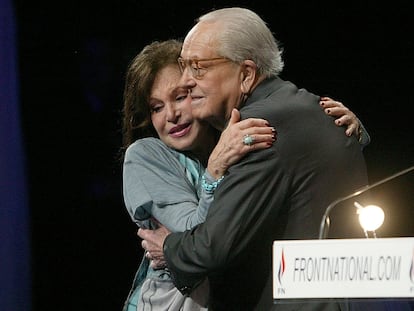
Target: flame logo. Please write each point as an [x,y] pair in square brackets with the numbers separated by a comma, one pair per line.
[282,267]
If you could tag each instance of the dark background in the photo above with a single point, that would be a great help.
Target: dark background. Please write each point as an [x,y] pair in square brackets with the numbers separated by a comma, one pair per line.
[72,59]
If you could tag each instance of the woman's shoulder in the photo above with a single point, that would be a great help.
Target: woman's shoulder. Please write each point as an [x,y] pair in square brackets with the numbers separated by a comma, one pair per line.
[149,144]
[150,148]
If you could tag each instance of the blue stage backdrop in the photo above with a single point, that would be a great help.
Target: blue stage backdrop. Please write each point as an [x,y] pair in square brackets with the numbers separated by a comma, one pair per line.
[14,217]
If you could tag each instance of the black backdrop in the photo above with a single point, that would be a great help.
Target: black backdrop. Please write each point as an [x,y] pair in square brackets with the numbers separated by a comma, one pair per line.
[72,59]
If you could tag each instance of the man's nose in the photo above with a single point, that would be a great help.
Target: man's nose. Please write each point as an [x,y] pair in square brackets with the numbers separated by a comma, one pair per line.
[187,80]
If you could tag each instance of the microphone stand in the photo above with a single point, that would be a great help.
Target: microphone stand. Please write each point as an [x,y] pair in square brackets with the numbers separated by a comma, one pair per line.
[325,223]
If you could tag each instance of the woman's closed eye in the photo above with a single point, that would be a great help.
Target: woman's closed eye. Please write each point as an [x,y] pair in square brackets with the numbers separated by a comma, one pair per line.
[181,95]
[156,108]
[181,98]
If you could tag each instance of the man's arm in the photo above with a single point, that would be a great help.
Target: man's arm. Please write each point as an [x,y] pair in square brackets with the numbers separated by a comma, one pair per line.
[232,222]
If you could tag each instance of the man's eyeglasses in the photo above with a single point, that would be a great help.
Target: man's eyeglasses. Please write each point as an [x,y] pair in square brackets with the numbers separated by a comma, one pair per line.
[196,67]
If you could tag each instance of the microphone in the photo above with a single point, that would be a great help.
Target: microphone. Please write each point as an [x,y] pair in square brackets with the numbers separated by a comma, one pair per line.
[324,226]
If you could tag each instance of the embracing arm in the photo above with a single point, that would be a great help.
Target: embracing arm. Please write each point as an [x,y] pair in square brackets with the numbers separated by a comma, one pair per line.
[230,148]
[156,185]
[345,117]
[234,216]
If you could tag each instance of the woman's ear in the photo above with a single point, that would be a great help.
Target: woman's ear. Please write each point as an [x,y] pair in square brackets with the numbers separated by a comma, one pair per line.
[249,76]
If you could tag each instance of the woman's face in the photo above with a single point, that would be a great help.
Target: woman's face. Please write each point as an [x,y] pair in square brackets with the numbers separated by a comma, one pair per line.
[171,113]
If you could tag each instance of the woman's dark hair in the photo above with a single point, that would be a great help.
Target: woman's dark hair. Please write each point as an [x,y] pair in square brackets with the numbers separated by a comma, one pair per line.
[140,76]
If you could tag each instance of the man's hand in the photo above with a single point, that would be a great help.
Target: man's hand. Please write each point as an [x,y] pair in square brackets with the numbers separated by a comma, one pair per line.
[153,241]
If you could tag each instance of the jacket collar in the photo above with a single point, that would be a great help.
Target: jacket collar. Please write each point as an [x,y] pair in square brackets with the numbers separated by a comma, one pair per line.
[263,90]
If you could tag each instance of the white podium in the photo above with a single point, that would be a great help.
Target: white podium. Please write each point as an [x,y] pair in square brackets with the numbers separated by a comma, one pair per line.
[343,268]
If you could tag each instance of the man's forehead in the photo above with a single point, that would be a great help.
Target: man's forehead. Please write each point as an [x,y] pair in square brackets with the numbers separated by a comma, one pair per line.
[199,43]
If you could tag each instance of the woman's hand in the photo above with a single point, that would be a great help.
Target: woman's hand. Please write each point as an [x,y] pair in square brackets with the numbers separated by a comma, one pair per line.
[239,138]
[343,115]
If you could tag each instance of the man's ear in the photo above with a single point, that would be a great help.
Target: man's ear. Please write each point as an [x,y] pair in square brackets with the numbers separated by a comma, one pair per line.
[249,72]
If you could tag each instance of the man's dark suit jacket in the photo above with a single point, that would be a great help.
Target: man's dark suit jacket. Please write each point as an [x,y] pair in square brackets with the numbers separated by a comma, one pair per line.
[273,194]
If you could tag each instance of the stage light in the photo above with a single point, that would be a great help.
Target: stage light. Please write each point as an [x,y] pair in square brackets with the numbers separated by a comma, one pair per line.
[371,217]
[325,222]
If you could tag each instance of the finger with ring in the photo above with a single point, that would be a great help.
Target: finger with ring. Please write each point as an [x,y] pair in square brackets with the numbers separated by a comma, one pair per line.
[248,140]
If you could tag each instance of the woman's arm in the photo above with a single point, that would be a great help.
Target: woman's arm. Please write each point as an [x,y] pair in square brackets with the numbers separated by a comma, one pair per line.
[345,117]
[155,183]
[230,147]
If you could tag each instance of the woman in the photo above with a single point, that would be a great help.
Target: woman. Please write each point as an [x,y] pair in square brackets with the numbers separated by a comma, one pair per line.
[170,187]
[155,106]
